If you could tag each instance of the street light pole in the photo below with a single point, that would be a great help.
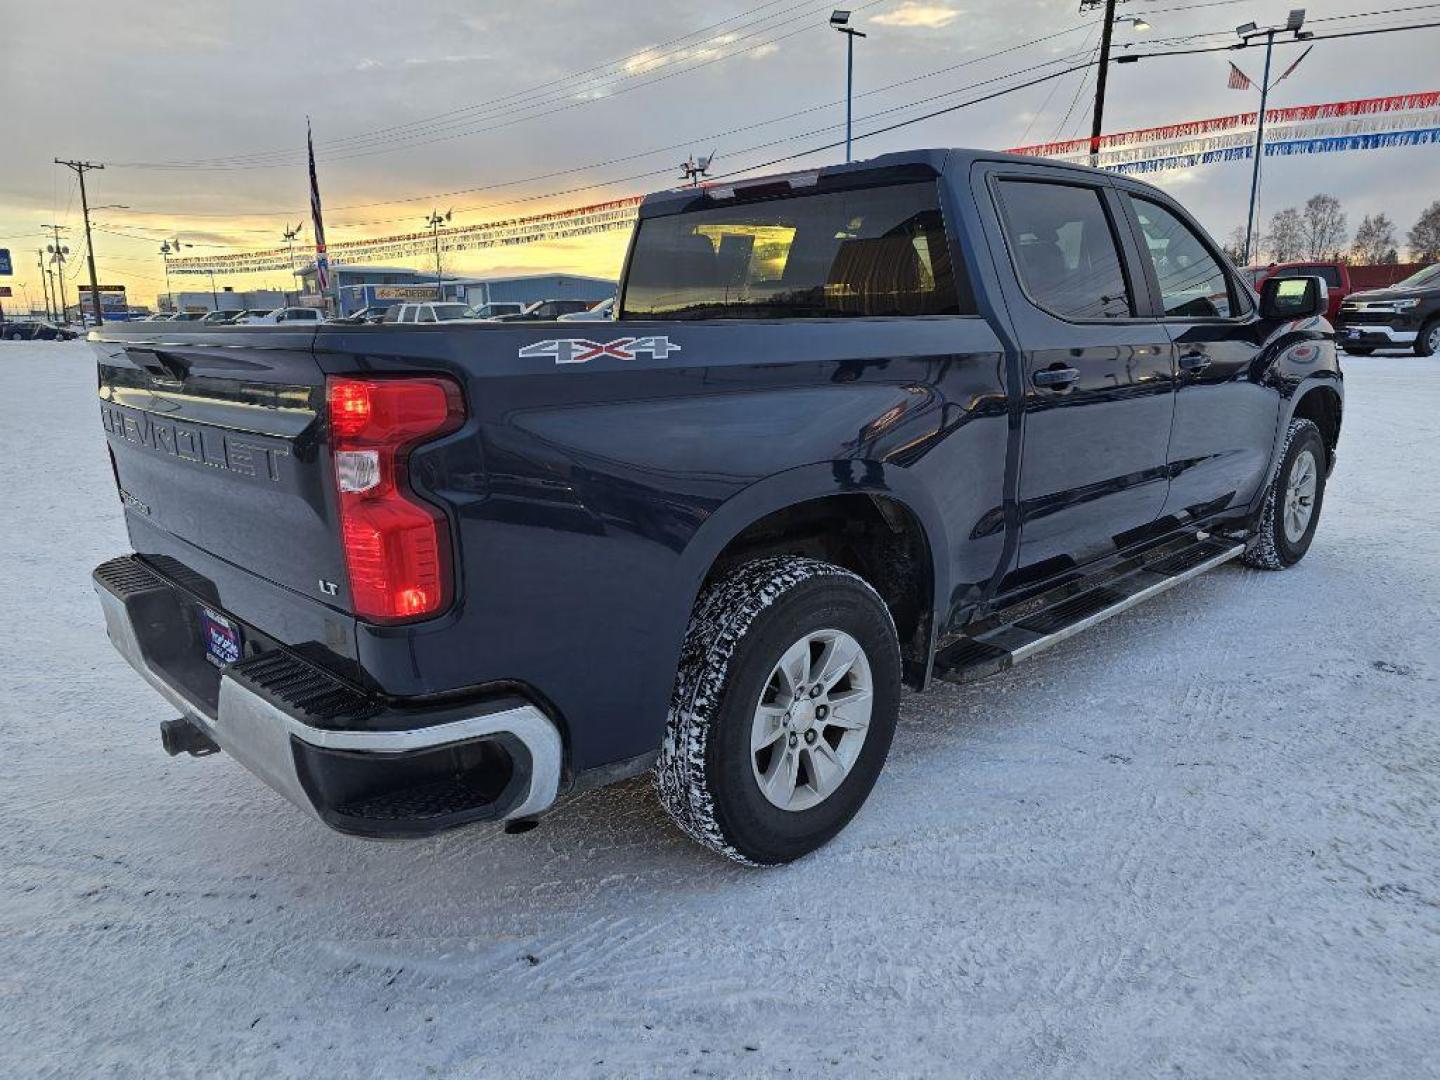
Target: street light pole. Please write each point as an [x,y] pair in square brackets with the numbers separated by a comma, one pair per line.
[1259,146]
[44,282]
[290,236]
[840,20]
[165,256]
[58,251]
[1246,32]
[435,220]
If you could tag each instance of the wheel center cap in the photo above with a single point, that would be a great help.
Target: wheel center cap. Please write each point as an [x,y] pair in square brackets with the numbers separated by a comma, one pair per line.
[802,716]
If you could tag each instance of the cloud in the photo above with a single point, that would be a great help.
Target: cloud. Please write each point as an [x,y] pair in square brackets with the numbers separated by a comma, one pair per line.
[925,16]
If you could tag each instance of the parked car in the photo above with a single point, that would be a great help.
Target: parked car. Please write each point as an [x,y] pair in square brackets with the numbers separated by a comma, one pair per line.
[36,330]
[836,441]
[251,315]
[496,308]
[544,310]
[373,314]
[605,309]
[222,315]
[429,313]
[1341,278]
[1405,314]
[160,316]
[188,316]
[289,315]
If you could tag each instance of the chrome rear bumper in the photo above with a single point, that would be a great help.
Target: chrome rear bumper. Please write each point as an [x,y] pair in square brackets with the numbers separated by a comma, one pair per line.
[281,747]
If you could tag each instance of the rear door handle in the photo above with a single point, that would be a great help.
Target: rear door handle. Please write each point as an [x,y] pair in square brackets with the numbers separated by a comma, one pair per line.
[1056,377]
[1194,362]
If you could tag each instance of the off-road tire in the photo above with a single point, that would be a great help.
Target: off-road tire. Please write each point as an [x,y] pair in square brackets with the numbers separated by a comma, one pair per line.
[1271,548]
[1427,342]
[739,629]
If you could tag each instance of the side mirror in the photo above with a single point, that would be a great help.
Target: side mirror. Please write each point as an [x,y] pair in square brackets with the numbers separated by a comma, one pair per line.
[1293,298]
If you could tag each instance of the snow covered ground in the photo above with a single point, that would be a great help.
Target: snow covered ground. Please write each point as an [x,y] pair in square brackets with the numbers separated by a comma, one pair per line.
[1198,841]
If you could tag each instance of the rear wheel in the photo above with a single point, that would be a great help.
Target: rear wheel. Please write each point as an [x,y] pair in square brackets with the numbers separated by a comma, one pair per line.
[1292,505]
[783,710]
[1427,342]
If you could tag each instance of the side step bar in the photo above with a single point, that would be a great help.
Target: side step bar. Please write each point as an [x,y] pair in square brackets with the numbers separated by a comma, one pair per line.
[1000,645]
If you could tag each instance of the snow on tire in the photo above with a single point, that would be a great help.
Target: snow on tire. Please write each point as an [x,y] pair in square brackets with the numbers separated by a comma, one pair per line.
[741,626]
[1273,548]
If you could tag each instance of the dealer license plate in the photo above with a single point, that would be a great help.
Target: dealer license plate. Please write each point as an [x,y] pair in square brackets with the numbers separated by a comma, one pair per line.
[221,636]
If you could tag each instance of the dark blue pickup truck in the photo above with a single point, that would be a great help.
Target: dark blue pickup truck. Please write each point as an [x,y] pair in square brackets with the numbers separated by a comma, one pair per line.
[909,419]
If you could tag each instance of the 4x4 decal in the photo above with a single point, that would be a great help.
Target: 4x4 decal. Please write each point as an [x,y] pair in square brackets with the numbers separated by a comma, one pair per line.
[581,350]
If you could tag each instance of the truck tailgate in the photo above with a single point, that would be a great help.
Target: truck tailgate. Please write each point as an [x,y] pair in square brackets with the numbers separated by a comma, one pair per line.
[217,440]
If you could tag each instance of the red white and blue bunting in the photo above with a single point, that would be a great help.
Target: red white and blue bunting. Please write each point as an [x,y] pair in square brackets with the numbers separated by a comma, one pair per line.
[1364,124]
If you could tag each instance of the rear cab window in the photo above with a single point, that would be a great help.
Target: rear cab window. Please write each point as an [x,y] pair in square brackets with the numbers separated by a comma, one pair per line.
[867,252]
[1064,248]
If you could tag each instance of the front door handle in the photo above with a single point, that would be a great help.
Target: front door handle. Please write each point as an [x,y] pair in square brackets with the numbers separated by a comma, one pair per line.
[1056,377]
[1195,361]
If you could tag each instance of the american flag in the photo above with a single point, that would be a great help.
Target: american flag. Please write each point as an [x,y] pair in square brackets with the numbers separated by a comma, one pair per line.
[322,262]
[1286,73]
[1238,81]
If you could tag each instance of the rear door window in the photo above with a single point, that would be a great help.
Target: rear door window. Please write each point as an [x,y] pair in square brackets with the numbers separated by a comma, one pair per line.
[1065,250]
[871,252]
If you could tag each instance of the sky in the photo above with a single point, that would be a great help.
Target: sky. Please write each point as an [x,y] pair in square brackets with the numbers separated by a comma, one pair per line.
[416,108]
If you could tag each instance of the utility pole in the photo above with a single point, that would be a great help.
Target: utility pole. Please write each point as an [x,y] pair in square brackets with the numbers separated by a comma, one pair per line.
[1107,32]
[214,296]
[58,251]
[81,167]
[435,220]
[1246,32]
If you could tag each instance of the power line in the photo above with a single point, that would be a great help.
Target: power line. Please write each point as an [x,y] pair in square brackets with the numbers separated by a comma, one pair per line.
[426,197]
[368,145]
[506,97]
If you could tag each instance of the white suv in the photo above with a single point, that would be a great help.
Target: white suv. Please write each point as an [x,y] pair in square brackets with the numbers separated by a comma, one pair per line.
[430,313]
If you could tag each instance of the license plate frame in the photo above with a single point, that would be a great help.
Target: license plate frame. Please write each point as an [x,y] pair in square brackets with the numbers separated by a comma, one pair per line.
[222,638]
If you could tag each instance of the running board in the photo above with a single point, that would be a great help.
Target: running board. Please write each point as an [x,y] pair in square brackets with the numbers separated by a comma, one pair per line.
[1002,645]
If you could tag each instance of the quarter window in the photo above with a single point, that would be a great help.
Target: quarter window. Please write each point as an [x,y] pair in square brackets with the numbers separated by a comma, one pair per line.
[1065,250]
[1192,283]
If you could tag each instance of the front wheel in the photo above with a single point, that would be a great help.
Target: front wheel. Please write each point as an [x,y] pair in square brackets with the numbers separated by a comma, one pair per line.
[783,709]
[1427,342]
[1292,504]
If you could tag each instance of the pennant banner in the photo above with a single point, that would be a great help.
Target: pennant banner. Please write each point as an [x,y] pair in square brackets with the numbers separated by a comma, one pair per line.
[1292,115]
[1365,124]
[557,225]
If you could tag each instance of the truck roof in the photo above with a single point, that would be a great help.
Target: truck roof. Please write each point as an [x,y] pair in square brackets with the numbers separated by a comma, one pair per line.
[903,164]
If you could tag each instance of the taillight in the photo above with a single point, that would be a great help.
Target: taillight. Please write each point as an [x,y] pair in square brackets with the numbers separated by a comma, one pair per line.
[397,549]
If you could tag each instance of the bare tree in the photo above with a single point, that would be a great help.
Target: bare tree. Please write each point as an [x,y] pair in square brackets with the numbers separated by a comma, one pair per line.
[1234,247]
[1286,238]
[1424,238]
[1323,227]
[1375,241]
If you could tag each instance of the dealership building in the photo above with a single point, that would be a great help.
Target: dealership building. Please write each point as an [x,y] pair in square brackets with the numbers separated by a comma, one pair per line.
[380,286]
